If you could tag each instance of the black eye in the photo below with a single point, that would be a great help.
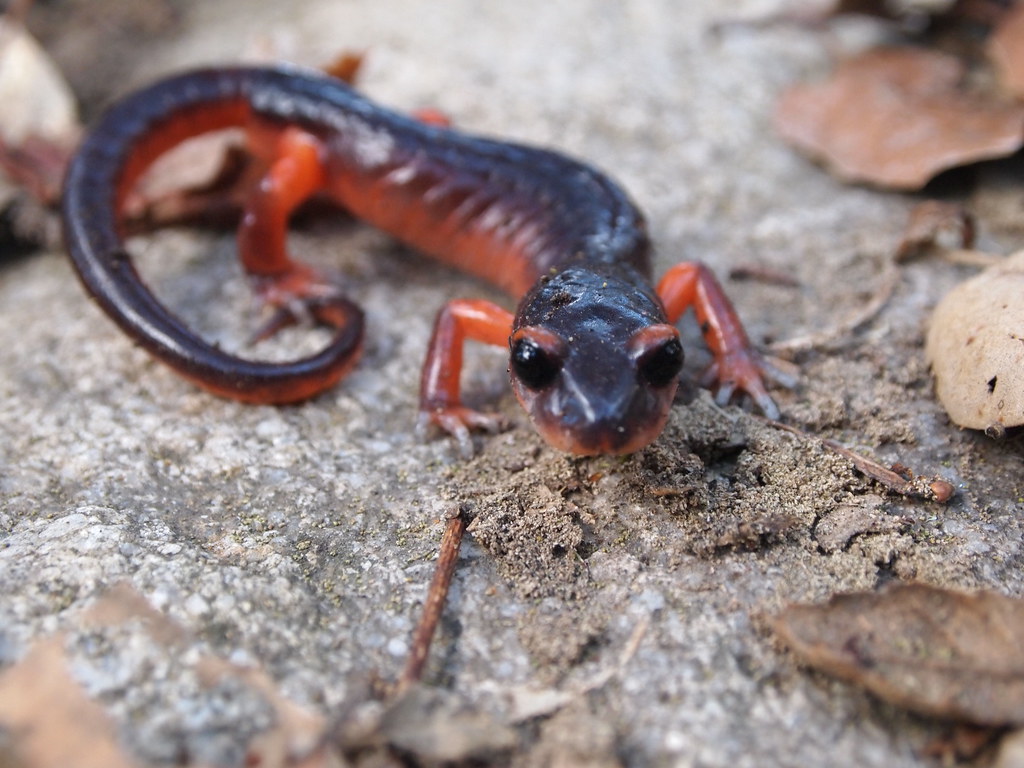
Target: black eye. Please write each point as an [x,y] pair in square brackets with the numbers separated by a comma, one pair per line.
[660,365]
[534,367]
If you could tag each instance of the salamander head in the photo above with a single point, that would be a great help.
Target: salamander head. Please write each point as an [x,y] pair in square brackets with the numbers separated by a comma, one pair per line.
[594,363]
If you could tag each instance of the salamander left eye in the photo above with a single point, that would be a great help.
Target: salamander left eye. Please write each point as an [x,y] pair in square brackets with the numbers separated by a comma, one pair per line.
[660,365]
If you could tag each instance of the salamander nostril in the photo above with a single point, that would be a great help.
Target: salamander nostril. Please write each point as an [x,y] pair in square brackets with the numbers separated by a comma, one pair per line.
[535,367]
[661,364]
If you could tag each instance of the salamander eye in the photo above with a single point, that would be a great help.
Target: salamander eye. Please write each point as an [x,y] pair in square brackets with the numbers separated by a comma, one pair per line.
[660,365]
[534,366]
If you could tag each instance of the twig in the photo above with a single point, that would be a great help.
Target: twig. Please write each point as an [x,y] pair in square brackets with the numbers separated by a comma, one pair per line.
[434,605]
[971,258]
[810,341]
[628,651]
[935,489]
[764,275]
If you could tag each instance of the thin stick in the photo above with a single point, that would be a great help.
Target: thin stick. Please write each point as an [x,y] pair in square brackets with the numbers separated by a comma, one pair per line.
[437,594]
[882,294]
[934,489]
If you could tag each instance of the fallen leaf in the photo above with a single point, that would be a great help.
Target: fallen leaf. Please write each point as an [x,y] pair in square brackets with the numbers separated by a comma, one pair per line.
[29,79]
[959,744]
[439,726]
[895,117]
[975,347]
[936,224]
[1006,50]
[40,127]
[206,180]
[1011,751]
[50,721]
[937,652]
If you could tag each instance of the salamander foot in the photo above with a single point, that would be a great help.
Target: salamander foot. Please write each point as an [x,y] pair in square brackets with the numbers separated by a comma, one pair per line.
[302,296]
[458,421]
[745,371]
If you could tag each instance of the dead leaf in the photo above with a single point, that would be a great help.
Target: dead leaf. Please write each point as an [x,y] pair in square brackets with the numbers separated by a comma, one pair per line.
[937,652]
[296,730]
[439,726]
[45,105]
[936,224]
[206,180]
[52,722]
[959,744]
[975,347]
[1006,50]
[40,127]
[1011,751]
[895,117]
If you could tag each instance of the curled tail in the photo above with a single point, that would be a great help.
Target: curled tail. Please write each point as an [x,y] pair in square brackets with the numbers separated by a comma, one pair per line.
[127,139]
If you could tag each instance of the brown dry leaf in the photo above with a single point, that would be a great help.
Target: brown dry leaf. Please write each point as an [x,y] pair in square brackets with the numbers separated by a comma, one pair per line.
[936,225]
[1011,751]
[437,726]
[208,179]
[296,731]
[895,117]
[941,653]
[50,720]
[1006,50]
[45,105]
[53,723]
[41,128]
[975,347]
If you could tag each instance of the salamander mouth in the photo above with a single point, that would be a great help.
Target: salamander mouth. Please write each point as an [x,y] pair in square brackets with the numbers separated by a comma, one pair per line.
[599,440]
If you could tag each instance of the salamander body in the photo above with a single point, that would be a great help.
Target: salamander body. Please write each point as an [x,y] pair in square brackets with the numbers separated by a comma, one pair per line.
[594,354]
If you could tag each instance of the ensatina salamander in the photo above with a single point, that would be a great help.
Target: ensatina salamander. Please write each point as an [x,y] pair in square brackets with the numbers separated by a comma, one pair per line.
[594,355]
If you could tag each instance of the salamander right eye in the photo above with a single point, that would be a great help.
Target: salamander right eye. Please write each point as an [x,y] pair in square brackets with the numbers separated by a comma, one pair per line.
[534,366]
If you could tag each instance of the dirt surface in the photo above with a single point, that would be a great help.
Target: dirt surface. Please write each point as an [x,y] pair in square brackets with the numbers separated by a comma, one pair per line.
[605,611]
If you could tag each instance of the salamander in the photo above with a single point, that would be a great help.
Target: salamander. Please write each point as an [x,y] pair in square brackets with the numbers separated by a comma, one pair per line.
[594,354]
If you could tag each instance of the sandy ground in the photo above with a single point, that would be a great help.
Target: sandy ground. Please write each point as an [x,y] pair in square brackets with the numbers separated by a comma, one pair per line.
[604,611]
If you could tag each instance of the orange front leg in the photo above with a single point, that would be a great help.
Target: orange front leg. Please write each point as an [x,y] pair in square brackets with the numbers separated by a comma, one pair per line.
[738,366]
[440,401]
[296,291]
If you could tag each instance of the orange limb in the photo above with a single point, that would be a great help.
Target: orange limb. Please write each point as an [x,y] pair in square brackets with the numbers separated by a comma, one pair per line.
[296,291]
[295,173]
[737,365]
[440,399]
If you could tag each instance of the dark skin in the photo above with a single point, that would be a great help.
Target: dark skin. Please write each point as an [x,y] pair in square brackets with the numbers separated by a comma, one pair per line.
[594,354]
